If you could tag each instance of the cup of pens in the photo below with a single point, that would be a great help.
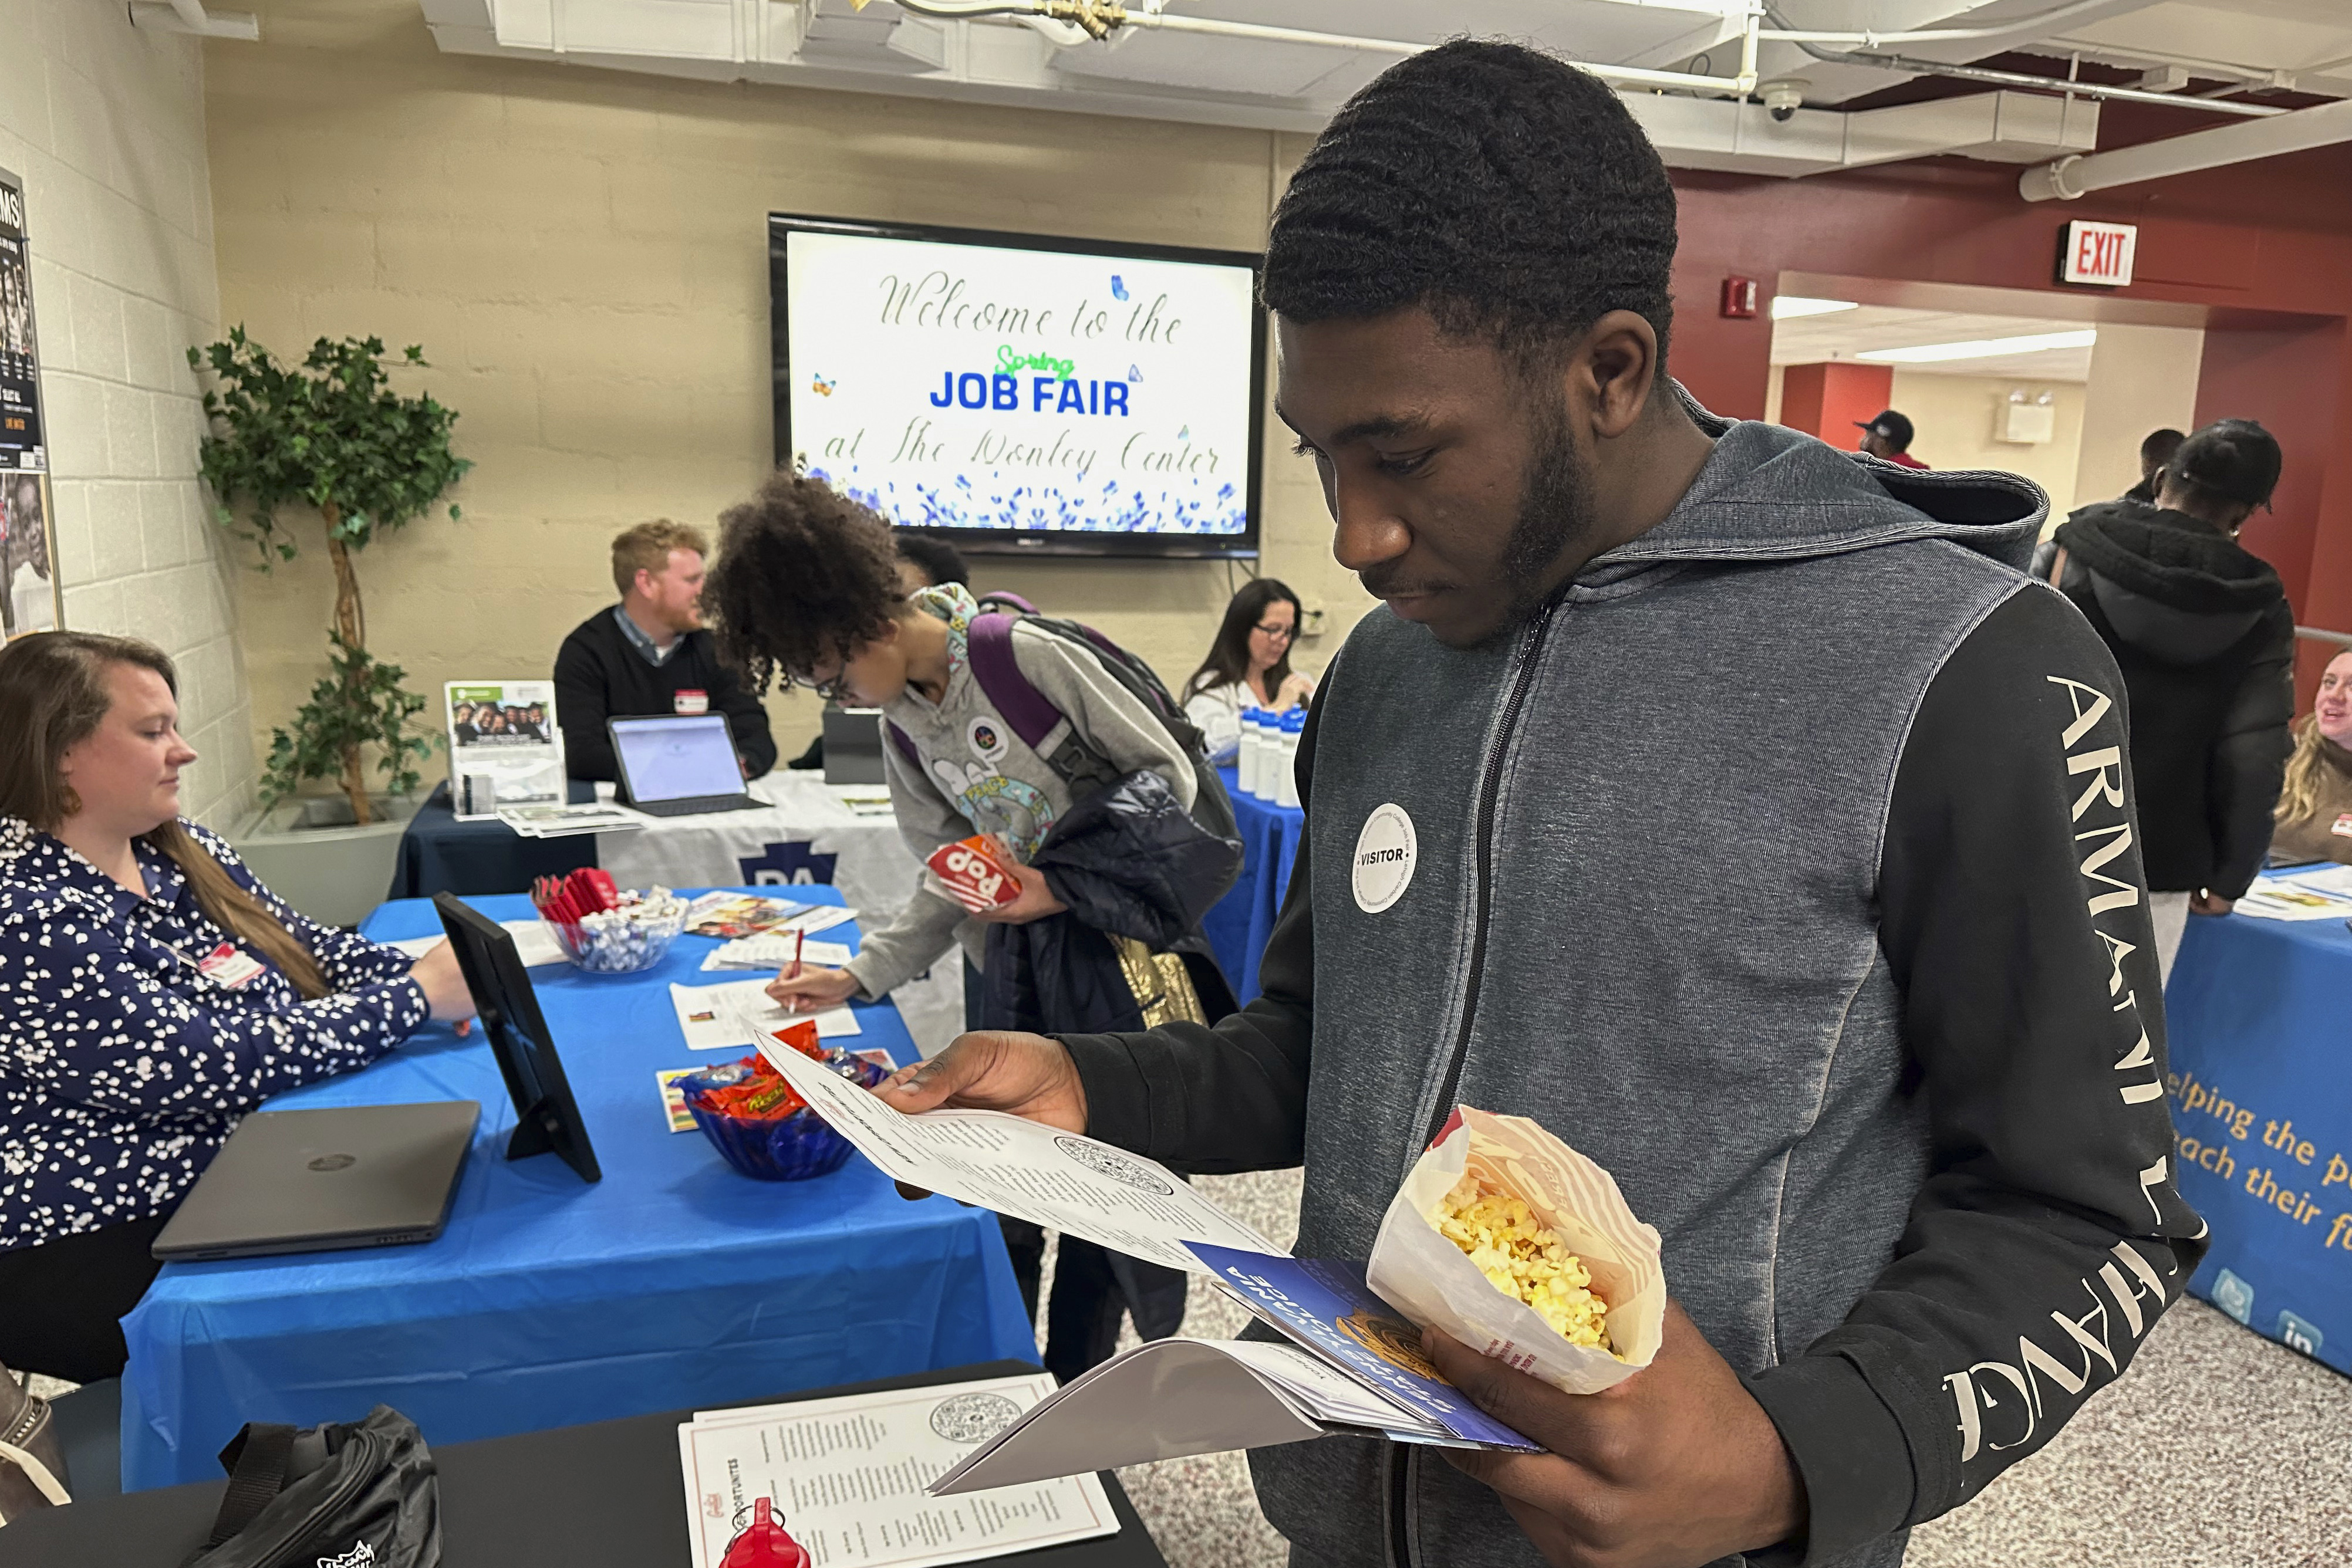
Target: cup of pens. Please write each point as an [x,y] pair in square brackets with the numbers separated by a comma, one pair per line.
[602,929]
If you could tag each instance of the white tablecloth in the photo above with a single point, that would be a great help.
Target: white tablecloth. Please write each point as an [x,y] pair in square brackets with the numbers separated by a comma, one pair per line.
[801,834]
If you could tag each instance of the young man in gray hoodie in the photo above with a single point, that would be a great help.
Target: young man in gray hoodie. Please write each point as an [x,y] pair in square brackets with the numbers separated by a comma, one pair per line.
[1736,808]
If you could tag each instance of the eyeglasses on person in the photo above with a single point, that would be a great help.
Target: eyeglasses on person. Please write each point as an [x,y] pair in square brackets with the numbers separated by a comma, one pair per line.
[832,689]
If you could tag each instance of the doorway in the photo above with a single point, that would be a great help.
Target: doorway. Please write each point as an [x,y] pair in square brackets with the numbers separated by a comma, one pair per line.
[2064,402]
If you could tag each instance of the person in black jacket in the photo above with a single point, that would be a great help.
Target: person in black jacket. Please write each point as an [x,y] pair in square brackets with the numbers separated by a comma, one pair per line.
[2206,641]
[649,655]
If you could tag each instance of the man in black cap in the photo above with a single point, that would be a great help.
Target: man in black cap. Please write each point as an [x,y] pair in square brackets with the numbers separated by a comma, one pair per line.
[2206,643]
[1889,436]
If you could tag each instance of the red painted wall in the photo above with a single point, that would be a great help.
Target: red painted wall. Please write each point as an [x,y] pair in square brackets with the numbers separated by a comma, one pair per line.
[2261,255]
[1832,399]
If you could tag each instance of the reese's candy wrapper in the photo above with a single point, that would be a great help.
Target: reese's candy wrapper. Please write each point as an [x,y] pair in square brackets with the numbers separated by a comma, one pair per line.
[978,872]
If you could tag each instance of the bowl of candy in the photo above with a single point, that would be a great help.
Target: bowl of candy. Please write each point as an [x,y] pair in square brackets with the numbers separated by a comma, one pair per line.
[759,1126]
[604,930]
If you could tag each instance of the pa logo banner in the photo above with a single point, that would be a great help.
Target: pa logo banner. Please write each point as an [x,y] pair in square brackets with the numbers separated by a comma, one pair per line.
[791,862]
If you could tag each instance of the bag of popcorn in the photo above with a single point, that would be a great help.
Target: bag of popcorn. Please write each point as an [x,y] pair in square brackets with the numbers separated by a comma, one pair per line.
[1522,1249]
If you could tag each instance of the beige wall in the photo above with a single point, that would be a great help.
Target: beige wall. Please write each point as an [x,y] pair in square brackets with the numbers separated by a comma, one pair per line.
[582,255]
[1954,418]
[2142,379]
[106,125]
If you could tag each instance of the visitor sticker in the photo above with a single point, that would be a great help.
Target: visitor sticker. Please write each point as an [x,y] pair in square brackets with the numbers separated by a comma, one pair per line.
[1385,852]
[229,966]
[691,701]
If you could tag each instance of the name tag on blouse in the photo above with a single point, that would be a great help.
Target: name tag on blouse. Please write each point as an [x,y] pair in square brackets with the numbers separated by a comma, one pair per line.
[230,966]
[2342,828]
[690,701]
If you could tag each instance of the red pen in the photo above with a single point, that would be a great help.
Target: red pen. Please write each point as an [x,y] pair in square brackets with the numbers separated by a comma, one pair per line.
[799,939]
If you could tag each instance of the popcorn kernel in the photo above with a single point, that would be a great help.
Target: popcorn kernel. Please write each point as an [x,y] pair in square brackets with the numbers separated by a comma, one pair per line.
[1524,1259]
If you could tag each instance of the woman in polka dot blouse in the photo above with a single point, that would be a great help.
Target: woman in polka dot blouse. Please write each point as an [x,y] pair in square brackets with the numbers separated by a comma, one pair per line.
[151,992]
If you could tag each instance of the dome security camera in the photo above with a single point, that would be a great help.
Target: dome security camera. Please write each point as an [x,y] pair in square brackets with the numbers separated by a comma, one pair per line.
[1783,96]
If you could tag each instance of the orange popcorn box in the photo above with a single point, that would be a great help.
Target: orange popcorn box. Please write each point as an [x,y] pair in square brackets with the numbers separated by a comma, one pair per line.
[977,873]
[1428,1279]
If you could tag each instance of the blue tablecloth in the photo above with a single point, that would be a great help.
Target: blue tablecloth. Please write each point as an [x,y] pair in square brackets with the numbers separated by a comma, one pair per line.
[2260,1021]
[549,1301]
[1238,923]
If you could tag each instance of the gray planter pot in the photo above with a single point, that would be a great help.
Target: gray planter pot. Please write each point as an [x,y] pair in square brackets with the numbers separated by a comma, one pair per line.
[308,853]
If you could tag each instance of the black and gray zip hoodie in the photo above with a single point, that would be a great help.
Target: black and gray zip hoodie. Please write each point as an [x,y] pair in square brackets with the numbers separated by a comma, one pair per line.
[1786,865]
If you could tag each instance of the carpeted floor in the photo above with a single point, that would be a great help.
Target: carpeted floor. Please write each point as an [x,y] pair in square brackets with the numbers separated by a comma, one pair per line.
[2218,1448]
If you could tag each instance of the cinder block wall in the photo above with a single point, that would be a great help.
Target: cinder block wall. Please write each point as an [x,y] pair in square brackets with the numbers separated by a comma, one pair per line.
[106,125]
[582,254]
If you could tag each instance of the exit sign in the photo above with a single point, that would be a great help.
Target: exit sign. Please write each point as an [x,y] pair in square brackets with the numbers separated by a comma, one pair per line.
[2097,253]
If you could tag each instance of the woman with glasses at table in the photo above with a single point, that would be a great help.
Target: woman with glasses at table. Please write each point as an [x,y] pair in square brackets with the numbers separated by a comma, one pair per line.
[1248,666]
[151,992]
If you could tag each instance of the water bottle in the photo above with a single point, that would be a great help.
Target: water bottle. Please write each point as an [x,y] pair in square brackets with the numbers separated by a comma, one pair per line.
[1253,743]
[1294,725]
[1270,755]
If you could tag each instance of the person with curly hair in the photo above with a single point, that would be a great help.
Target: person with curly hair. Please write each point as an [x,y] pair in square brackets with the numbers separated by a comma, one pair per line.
[807,587]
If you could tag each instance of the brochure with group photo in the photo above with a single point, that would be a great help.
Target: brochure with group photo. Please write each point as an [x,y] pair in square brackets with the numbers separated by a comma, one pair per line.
[505,750]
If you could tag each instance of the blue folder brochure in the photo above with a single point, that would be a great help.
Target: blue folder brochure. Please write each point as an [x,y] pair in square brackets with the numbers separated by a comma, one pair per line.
[1325,1306]
[1347,1364]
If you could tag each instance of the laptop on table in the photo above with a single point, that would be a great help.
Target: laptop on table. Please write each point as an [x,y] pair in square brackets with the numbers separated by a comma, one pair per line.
[316,1181]
[384,1175]
[678,765]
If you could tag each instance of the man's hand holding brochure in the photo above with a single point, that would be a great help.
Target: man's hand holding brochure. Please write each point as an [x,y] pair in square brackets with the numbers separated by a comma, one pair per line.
[1353,1362]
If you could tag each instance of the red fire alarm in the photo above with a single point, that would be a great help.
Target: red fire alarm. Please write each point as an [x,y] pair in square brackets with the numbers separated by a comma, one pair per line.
[1739,299]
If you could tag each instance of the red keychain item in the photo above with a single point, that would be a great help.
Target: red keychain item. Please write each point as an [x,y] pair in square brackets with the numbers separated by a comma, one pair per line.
[976,871]
[764,1544]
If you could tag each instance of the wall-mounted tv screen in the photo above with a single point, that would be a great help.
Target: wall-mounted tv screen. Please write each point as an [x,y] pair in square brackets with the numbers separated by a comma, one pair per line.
[1016,393]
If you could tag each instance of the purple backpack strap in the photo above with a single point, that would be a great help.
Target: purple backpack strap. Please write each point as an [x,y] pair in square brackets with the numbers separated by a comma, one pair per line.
[997,597]
[990,650]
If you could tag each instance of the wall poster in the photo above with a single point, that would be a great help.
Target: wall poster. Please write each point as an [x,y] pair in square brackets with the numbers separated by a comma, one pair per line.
[29,599]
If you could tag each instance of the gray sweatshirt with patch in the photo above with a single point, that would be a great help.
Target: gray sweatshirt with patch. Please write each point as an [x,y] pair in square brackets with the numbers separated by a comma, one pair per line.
[1784,863]
[975,775]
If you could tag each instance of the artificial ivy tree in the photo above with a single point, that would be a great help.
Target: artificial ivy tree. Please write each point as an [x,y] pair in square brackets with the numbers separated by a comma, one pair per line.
[332,436]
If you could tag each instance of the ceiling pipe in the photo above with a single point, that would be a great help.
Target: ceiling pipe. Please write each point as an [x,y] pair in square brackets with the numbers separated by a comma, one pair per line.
[1102,18]
[1870,40]
[1630,76]
[1911,67]
[2061,87]
[2070,177]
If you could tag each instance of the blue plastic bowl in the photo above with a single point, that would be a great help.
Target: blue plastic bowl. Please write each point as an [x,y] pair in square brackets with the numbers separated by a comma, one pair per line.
[792,1148]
